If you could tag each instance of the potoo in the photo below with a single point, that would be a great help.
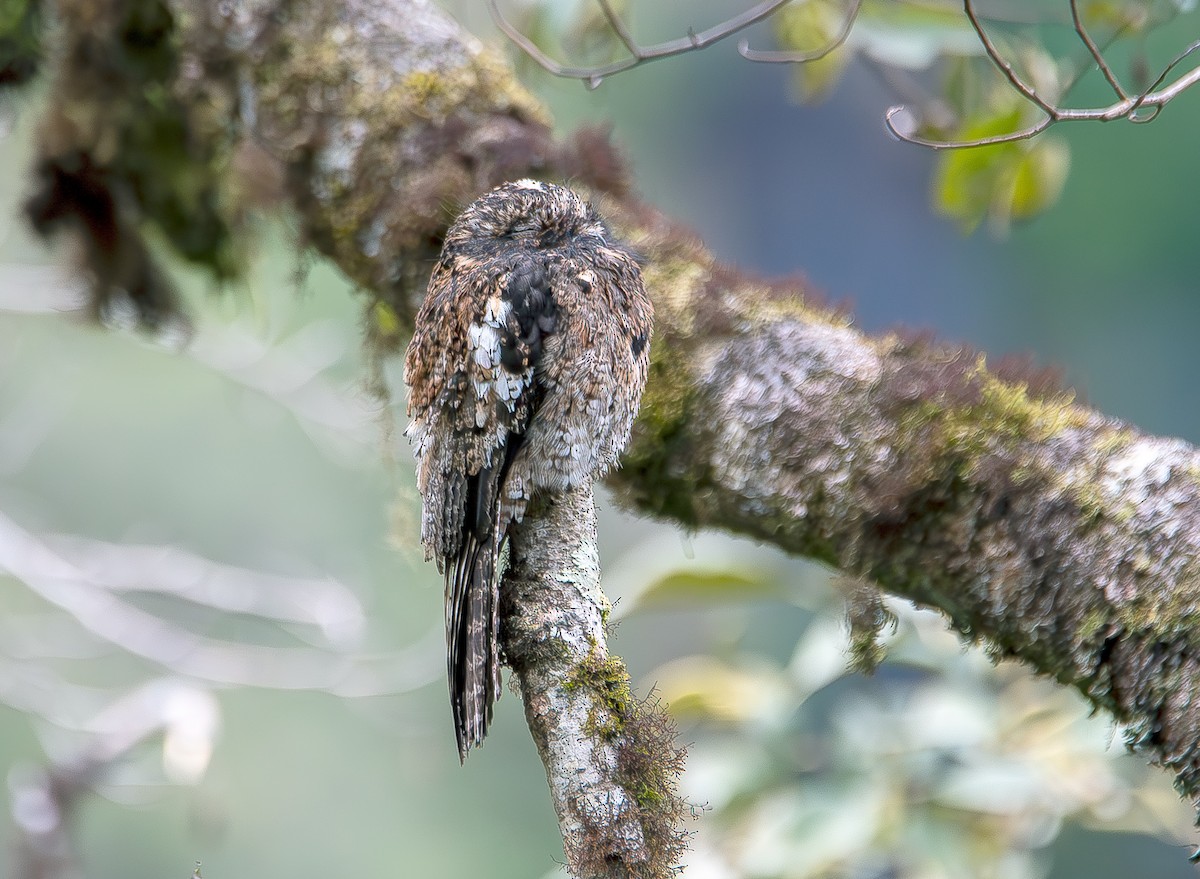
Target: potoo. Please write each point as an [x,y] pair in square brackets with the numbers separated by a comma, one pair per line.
[525,371]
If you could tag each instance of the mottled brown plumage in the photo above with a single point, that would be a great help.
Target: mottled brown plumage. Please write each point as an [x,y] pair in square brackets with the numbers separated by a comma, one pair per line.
[525,371]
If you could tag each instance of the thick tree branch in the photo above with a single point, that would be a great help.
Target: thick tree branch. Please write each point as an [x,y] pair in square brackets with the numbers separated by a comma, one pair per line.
[1052,533]
[1058,535]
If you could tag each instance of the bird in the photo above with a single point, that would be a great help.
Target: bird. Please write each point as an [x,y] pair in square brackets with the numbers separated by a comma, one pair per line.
[528,359]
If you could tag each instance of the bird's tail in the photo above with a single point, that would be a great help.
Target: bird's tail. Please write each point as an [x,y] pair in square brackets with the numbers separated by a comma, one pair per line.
[473,606]
[472,655]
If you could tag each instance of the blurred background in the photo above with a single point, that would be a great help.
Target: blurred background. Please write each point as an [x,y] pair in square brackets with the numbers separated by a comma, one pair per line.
[211,586]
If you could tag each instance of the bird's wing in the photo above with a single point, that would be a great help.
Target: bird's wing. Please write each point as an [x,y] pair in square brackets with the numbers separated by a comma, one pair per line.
[472,368]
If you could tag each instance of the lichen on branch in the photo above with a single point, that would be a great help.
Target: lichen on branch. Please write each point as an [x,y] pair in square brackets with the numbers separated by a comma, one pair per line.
[611,760]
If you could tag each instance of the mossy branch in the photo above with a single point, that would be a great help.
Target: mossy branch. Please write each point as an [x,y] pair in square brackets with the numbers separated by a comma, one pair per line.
[611,760]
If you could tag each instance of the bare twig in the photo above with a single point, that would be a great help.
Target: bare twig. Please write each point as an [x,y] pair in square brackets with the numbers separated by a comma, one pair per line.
[1140,108]
[1152,97]
[769,57]
[1130,108]
[900,120]
[593,76]
[329,608]
[1002,63]
[1082,31]
[906,133]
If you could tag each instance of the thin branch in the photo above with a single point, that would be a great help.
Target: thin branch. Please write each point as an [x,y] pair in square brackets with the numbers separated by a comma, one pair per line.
[104,571]
[889,120]
[1151,101]
[611,760]
[1003,63]
[1094,50]
[1128,107]
[319,603]
[1158,99]
[769,57]
[593,76]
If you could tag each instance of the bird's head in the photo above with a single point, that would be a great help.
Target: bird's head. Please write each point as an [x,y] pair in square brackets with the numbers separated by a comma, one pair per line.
[530,212]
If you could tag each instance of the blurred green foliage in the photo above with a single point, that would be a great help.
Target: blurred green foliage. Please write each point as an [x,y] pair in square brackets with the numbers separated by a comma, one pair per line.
[20,41]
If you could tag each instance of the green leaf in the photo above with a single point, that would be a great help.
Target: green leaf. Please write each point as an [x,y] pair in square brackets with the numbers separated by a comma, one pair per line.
[716,569]
[1000,182]
[1040,177]
[811,27]
[701,686]
[966,180]
[686,586]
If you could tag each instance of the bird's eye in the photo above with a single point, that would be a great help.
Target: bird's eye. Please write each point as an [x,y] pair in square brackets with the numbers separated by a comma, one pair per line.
[521,230]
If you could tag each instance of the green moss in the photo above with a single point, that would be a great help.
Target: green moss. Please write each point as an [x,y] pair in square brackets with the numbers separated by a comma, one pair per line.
[647,796]
[666,403]
[606,678]
[672,278]
[427,91]
[992,416]
[765,304]
[655,483]
[172,154]
[1091,505]
[867,617]
[1114,440]
[1093,623]
[648,766]
[1174,614]
[133,150]
[1005,413]
[648,762]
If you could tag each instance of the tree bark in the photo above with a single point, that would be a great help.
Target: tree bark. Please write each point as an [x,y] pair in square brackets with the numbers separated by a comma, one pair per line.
[611,761]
